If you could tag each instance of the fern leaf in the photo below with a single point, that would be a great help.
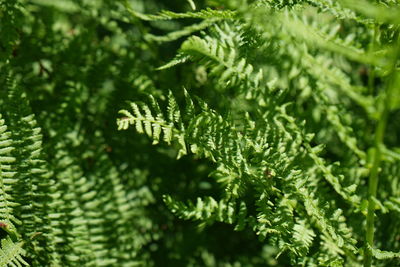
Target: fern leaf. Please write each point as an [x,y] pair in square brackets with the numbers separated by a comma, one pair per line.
[172,36]
[381,13]
[142,118]
[319,39]
[224,62]
[348,192]
[63,5]
[208,210]
[336,77]
[340,234]
[384,255]
[7,174]
[179,59]
[34,176]
[168,15]
[11,254]
[303,237]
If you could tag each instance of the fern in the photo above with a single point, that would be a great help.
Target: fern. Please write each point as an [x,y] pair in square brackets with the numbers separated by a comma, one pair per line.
[383,255]
[184,32]
[7,176]
[168,15]
[209,136]
[209,211]
[281,150]
[153,126]
[212,136]
[11,253]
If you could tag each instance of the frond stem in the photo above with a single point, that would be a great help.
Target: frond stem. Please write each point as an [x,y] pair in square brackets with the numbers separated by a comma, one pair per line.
[384,108]
[371,76]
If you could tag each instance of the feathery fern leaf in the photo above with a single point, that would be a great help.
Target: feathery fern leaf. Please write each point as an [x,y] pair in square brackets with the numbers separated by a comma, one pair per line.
[7,177]
[11,253]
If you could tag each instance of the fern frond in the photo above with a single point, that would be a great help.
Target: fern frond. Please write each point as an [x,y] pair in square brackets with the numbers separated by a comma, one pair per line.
[392,204]
[384,255]
[11,19]
[348,193]
[7,179]
[209,135]
[179,59]
[188,30]
[344,132]
[224,63]
[336,77]
[303,236]
[378,12]
[62,6]
[33,173]
[317,38]
[337,9]
[334,227]
[169,15]
[208,211]
[11,254]
[278,145]
[144,122]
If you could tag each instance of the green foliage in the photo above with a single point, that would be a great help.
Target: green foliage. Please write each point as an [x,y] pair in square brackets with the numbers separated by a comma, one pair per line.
[249,133]
[11,253]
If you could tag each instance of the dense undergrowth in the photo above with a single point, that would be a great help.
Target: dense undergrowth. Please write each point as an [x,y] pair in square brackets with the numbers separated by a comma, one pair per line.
[249,133]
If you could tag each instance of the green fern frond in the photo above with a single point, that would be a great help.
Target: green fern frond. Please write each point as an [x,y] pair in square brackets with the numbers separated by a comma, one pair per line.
[224,62]
[384,255]
[347,193]
[319,39]
[208,211]
[291,149]
[34,174]
[392,204]
[378,12]
[179,59]
[172,36]
[7,176]
[62,6]
[208,134]
[11,254]
[344,132]
[336,77]
[153,126]
[337,9]
[334,227]
[169,15]
[303,236]
[11,20]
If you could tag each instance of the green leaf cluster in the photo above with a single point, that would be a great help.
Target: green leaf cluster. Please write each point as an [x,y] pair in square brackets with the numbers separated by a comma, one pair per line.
[248,133]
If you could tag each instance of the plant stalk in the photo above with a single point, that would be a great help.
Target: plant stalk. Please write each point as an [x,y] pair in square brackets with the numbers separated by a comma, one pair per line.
[373,186]
[371,74]
[384,109]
